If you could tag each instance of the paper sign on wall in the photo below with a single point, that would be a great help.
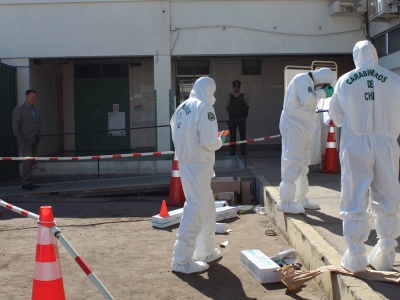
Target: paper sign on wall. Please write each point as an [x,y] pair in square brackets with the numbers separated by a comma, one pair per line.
[116,124]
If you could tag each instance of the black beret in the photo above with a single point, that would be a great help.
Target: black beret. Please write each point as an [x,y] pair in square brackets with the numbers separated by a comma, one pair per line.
[236,83]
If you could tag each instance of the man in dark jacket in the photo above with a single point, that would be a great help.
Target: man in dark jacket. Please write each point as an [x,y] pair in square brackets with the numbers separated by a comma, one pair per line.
[27,130]
[237,106]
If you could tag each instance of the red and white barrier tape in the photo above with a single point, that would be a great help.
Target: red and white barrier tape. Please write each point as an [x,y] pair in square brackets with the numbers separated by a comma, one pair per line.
[57,233]
[97,157]
[266,138]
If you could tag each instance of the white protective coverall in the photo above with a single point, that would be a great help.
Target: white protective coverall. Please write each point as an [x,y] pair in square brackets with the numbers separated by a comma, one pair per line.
[297,123]
[366,104]
[195,135]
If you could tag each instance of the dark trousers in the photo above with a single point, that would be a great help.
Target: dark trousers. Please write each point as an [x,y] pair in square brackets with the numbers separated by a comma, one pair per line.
[26,170]
[232,125]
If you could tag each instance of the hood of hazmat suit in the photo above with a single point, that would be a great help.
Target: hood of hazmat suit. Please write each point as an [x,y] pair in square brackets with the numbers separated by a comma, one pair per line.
[194,130]
[204,89]
[323,75]
[364,55]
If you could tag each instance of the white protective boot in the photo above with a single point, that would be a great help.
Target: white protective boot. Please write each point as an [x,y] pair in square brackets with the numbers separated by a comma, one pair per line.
[286,204]
[354,262]
[190,267]
[383,254]
[308,204]
[209,258]
[290,207]
[382,258]
[302,188]
[355,233]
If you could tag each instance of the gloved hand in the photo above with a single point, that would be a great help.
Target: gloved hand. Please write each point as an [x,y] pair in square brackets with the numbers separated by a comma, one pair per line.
[328,91]
[222,136]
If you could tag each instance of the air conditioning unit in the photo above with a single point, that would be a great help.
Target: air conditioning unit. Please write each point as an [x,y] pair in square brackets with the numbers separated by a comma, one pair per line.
[382,10]
[347,8]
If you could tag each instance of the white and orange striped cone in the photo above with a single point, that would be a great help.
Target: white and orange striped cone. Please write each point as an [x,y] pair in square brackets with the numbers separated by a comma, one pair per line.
[176,195]
[47,280]
[331,164]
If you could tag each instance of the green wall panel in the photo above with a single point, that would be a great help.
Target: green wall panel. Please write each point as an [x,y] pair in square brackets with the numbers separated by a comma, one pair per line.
[94,99]
[8,100]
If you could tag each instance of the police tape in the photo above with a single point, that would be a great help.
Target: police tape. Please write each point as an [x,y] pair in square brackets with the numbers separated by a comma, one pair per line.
[266,138]
[95,157]
[128,155]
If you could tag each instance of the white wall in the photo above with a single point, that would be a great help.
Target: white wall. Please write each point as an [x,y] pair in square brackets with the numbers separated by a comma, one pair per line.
[243,27]
[108,29]
[126,28]
[391,61]
[80,29]
[376,28]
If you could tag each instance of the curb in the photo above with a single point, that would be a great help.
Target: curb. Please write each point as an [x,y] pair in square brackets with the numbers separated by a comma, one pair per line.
[312,248]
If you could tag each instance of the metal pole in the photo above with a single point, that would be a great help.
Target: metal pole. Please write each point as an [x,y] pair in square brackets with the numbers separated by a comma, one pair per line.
[98,161]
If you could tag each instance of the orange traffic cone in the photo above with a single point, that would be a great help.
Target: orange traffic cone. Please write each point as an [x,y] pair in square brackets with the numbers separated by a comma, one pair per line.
[176,195]
[164,210]
[331,164]
[47,279]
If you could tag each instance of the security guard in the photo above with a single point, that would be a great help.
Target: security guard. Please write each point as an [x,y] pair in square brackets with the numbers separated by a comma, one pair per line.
[237,106]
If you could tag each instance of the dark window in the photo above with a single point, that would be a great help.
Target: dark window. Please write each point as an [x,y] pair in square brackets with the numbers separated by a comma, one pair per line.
[380,45]
[115,71]
[86,71]
[251,67]
[196,68]
[394,41]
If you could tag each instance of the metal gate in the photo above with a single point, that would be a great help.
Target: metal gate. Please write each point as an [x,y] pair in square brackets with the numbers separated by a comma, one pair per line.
[8,100]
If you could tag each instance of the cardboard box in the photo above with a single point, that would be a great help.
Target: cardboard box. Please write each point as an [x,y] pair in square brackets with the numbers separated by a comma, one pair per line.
[222,213]
[229,197]
[174,218]
[260,266]
[225,184]
[245,196]
[226,212]
[220,203]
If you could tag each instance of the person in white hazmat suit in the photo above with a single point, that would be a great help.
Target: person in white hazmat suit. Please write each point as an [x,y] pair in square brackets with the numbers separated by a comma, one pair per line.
[297,123]
[195,135]
[366,104]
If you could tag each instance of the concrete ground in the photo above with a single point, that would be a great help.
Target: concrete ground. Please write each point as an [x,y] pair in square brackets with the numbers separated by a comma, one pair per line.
[114,237]
[317,235]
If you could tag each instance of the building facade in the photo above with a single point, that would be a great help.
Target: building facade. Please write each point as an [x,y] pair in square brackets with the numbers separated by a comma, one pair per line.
[110,73]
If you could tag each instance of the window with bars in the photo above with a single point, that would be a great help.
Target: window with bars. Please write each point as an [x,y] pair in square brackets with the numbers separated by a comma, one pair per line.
[251,67]
[187,72]
[92,71]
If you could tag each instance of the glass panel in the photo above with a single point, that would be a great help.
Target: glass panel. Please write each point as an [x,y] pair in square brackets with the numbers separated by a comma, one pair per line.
[197,68]
[115,71]
[380,45]
[251,67]
[85,71]
[394,41]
